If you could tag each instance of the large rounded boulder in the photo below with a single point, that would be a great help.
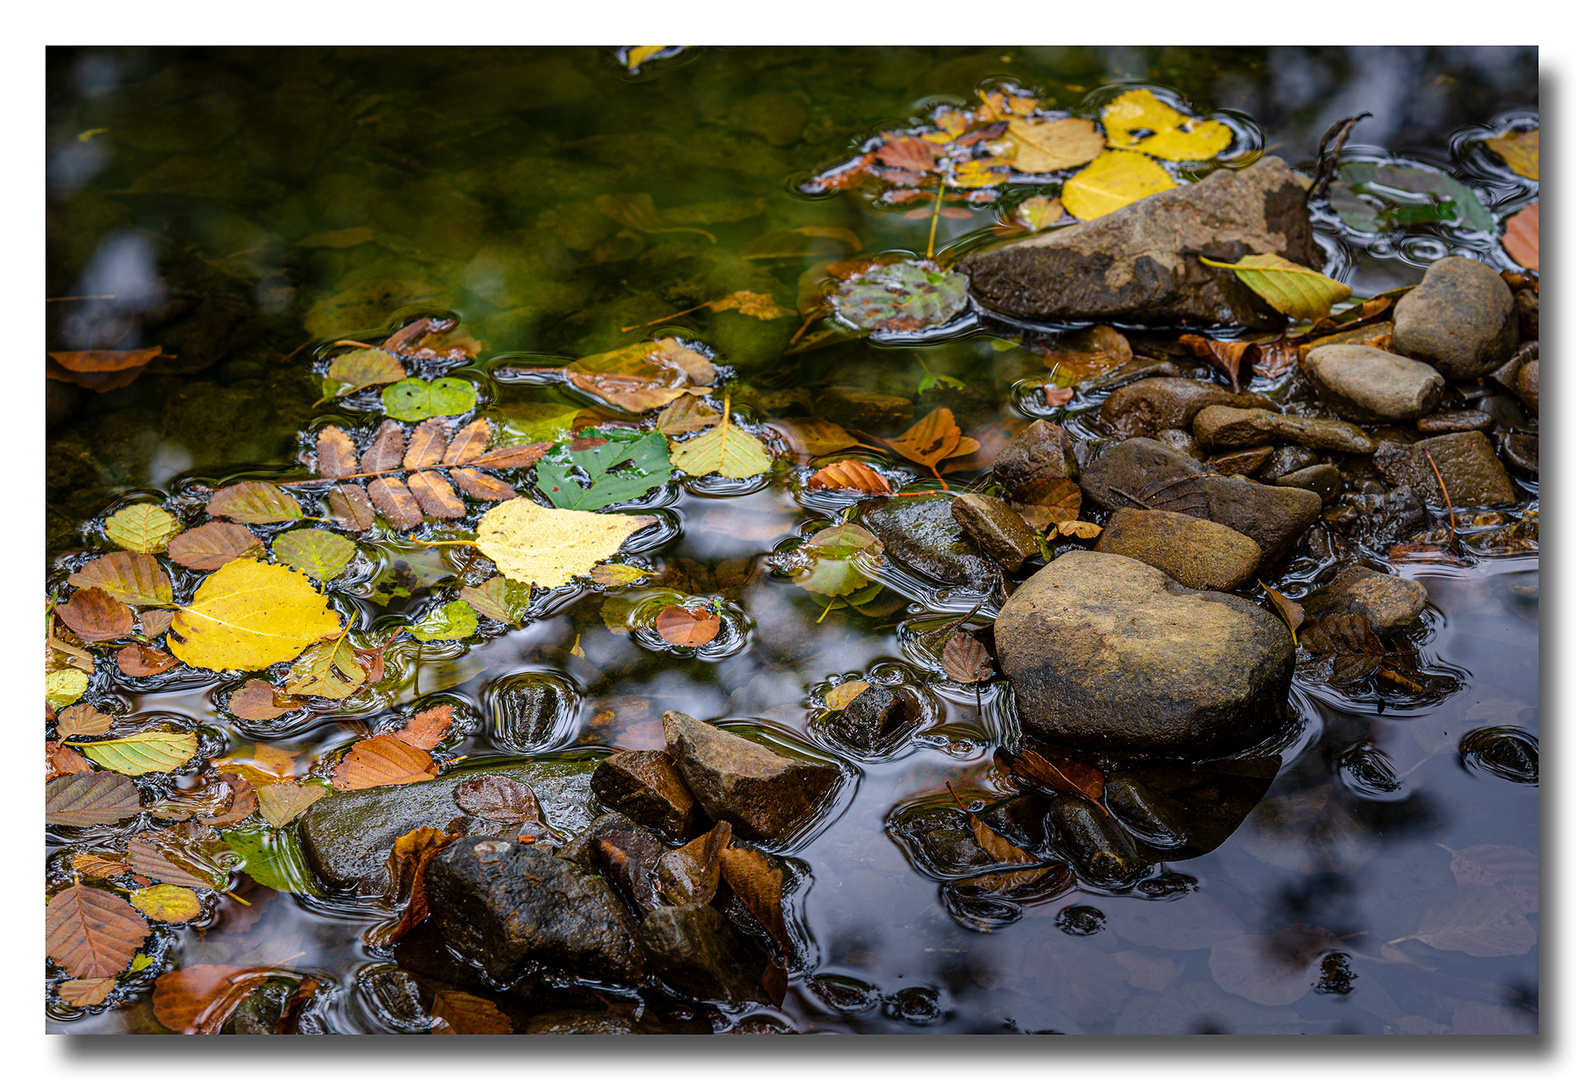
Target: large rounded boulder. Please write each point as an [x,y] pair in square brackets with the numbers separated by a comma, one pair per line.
[1107,653]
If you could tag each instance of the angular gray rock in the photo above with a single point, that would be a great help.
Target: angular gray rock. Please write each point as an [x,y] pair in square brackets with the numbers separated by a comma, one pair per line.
[1390,603]
[1151,406]
[1217,425]
[1197,553]
[1373,386]
[997,529]
[1040,452]
[504,905]
[1460,319]
[647,787]
[1141,263]
[1468,464]
[1273,517]
[921,535]
[765,794]
[696,952]
[1106,653]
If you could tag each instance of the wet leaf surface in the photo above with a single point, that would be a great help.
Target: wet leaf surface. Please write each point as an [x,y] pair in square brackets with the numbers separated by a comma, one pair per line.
[92,933]
[381,761]
[538,546]
[248,615]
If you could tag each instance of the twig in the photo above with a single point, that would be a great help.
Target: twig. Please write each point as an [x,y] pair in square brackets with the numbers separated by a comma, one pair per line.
[1451,517]
[1125,495]
[663,318]
[940,193]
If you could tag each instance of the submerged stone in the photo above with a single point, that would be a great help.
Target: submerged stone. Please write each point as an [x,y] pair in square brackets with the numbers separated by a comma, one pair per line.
[921,535]
[696,952]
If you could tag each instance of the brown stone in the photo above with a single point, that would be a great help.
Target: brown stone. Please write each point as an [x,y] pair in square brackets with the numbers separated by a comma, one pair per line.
[1390,603]
[1460,319]
[1150,406]
[1468,464]
[997,529]
[646,786]
[1040,452]
[1217,425]
[1200,554]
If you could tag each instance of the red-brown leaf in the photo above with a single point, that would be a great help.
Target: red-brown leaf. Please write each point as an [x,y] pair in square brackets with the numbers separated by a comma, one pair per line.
[78,720]
[1060,776]
[426,729]
[385,451]
[966,660]
[391,497]
[850,475]
[63,761]
[258,700]
[498,798]
[1227,357]
[931,440]
[85,992]
[512,457]
[138,659]
[687,627]
[349,505]
[336,456]
[428,443]
[757,883]
[244,801]
[200,998]
[381,761]
[437,498]
[1521,236]
[95,615]
[168,863]
[211,546]
[91,933]
[465,1014]
[90,798]
[410,854]
[469,443]
[911,153]
[482,485]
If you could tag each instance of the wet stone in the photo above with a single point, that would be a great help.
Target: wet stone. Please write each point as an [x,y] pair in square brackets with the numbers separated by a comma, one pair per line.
[696,952]
[1183,442]
[921,535]
[1529,386]
[1372,386]
[580,1022]
[1123,374]
[646,786]
[503,905]
[1197,553]
[1287,459]
[1324,480]
[1217,425]
[870,719]
[1273,517]
[998,530]
[1040,452]
[1151,406]
[1448,422]
[1133,468]
[939,840]
[1521,451]
[1147,813]
[1239,462]
[1384,518]
[765,794]
[1468,465]
[1460,319]
[1390,603]
[1021,819]
[855,407]
[1093,843]
[1107,653]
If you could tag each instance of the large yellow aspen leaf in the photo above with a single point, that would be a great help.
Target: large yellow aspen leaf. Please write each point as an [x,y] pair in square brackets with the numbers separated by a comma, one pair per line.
[1111,181]
[1138,120]
[535,545]
[248,615]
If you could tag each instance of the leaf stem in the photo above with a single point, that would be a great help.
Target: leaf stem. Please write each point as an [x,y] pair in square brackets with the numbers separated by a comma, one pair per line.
[940,193]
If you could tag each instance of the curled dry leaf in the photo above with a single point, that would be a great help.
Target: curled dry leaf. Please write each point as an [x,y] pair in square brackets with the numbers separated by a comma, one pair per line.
[138,659]
[967,660]
[850,475]
[1227,357]
[91,933]
[382,761]
[211,546]
[1291,612]
[1050,502]
[94,615]
[63,761]
[1077,530]
[687,627]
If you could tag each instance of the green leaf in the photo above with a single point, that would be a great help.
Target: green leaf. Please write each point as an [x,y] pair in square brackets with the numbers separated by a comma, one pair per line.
[318,553]
[836,561]
[414,399]
[454,621]
[362,367]
[145,752]
[534,421]
[901,296]
[499,598]
[725,448]
[618,471]
[142,527]
[273,858]
[1289,288]
[65,686]
[1411,195]
[329,669]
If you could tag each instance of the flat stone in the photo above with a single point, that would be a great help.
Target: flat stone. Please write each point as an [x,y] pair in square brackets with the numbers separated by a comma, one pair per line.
[1288,459]
[1273,517]
[647,787]
[1239,462]
[1521,451]
[1375,335]
[1150,406]
[698,954]
[869,720]
[1106,653]
[1039,453]
[1135,467]
[1141,263]
[503,905]
[1197,553]
[1324,480]
[1373,386]
[347,836]
[1383,519]
[1462,420]
[997,529]
[765,794]
[1468,464]
[1390,603]
[921,535]
[1181,441]
[1218,425]
[1460,319]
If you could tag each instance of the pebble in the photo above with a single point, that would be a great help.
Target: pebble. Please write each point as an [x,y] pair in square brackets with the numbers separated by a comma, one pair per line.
[921,535]
[1199,554]
[1372,386]
[1461,420]
[1529,386]
[1240,462]
[1460,319]
[1039,453]
[997,529]
[1390,603]
[1324,480]
[1288,459]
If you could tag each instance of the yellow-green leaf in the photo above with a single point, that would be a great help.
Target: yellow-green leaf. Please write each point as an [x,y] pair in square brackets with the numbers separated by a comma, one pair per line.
[65,686]
[1045,146]
[131,577]
[1521,151]
[725,448]
[145,752]
[1112,181]
[327,669]
[142,527]
[248,615]
[362,367]
[253,502]
[1138,120]
[168,903]
[538,546]
[318,553]
[1289,288]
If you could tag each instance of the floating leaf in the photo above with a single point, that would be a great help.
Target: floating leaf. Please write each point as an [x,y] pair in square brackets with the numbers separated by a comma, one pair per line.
[725,449]
[931,440]
[427,443]
[141,527]
[687,627]
[468,444]
[64,686]
[354,370]
[85,992]
[1039,212]
[1112,181]
[464,1013]
[1521,236]
[381,761]
[253,502]
[90,864]
[90,933]
[168,903]
[90,798]
[1046,146]
[1510,870]
[836,561]
[385,450]
[94,615]
[63,761]
[198,999]
[966,659]
[328,669]
[335,455]
[498,798]
[248,615]
[851,476]
[643,376]
[500,598]
[995,845]
[282,803]
[82,720]
[1479,920]
[618,472]
[1138,120]
[757,882]
[428,728]
[901,296]
[395,503]
[513,457]
[259,700]
[1520,150]
[611,574]
[1291,612]
[813,437]
[452,621]
[1227,357]
[838,697]
[145,752]
[1077,530]
[436,497]
[482,485]
[130,577]
[1289,288]
[139,660]
[93,361]
[211,546]
[536,546]
[415,399]
[318,553]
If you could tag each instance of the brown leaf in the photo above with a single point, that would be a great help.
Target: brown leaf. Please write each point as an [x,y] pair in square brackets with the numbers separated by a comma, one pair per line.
[129,576]
[1510,870]
[1291,612]
[813,437]
[1057,396]
[1078,530]
[85,992]
[757,883]
[349,505]
[139,659]
[91,864]
[430,338]
[1227,357]
[244,800]
[426,729]
[498,798]
[1065,775]
[691,873]
[97,360]
[469,443]
[385,451]
[161,856]
[254,502]
[931,440]
[1277,357]
[437,497]
[259,700]
[91,933]
[686,414]
[465,1014]
[290,1022]
[94,615]
[410,855]
[1479,920]
[200,998]
[212,545]
[428,443]
[1354,649]
[966,660]
[82,719]
[686,626]
[1180,494]
[335,455]
[482,485]
[90,798]
[513,457]
[282,803]
[391,497]
[63,761]
[381,761]
[154,622]
[911,153]
[851,475]
[997,846]
[1050,502]
[1269,969]
[1521,236]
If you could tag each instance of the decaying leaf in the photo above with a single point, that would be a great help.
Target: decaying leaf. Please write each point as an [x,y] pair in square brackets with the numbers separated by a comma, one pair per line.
[757,882]
[328,669]
[85,992]
[210,546]
[644,376]
[82,720]
[498,798]
[1077,530]
[851,476]
[757,305]
[144,752]
[538,546]
[427,728]
[617,470]
[1349,642]
[462,1013]
[615,574]
[140,660]
[812,437]
[1479,920]
[687,626]
[966,659]
[382,761]
[1058,777]
[354,370]
[995,845]
[91,933]
[1291,612]
[502,599]
[253,502]
[94,615]
[410,854]
[1050,502]
[395,502]
[91,864]
[1291,289]
[198,999]
[181,855]
[1227,357]
[90,798]
[1509,870]
[1520,150]
[248,615]
[1112,181]
[141,527]
[901,296]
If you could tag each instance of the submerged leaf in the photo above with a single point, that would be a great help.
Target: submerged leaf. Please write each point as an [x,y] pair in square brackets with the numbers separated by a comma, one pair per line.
[901,296]
[141,527]
[966,659]
[139,660]
[328,669]
[499,598]
[363,367]
[452,621]
[836,561]
[536,546]
[259,700]
[498,798]
[1289,288]
[686,626]
[282,803]
[198,999]
[931,440]
[248,615]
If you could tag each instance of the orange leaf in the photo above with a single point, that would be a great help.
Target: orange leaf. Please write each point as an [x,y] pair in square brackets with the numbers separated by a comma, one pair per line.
[94,615]
[84,992]
[1057,396]
[1226,357]
[1521,236]
[92,360]
[410,854]
[199,999]
[757,883]
[465,1014]
[1050,502]
[140,659]
[92,933]
[63,760]
[685,626]
[852,475]
[381,761]
[258,700]
[997,846]
[931,440]
[212,545]
[911,153]
[426,729]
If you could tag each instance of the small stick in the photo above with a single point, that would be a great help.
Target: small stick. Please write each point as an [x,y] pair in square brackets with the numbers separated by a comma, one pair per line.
[940,193]
[663,318]
[1451,517]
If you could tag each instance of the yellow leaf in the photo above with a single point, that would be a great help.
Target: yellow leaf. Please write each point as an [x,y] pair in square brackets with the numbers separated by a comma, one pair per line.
[168,903]
[758,305]
[1521,151]
[248,615]
[1048,145]
[637,54]
[974,174]
[538,546]
[1289,288]
[726,449]
[1171,135]
[1039,212]
[1111,181]
[837,697]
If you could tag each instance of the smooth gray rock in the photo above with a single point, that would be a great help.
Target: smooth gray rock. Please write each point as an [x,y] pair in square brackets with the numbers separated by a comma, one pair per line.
[1373,386]
[1197,553]
[528,709]
[1148,407]
[1273,517]
[696,952]
[1106,653]
[1324,480]
[921,535]
[1460,319]
[1390,603]
[1468,464]
[997,529]
[1038,454]
[1141,263]
[1218,425]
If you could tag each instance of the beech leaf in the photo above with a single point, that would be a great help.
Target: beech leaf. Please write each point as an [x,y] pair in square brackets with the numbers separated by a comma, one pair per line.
[1479,920]
[140,660]
[145,752]
[851,476]
[82,720]
[757,883]
[94,615]
[1173,135]
[253,502]
[966,659]
[464,1013]
[725,449]
[248,615]
[168,903]
[92,933]
[538,546]
[198,999]
[212,545]
[382,761]
[141,527]
[64,686]
[426,729]
[90,798]
[1289,288]
[259,700]
[498,798]
[128,576]
[282,803]
[838,697]
[318,553]
[1045,146]
[931,440]
[836,561]
[1520,150]
[85,992]
[1521,236]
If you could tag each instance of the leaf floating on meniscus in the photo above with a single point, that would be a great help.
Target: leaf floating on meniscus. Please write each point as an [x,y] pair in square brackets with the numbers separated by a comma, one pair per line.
[901,296]
[90,798]
[687,626]
[168,903]
[64,686]
[836,561]
[1039,212]
[618,471]
[850,475]
[140,660]
[92,933]
[355,370]
[725,449]
[1112,181]
[319,553]
[1045,146]
[94,615]
[212,545]
[1289,288]
[539,546]
[966,659]
[141,527]
[1521,236]
[501,599]
[436,497]
[837,697]
[282,803]
[253,502]
[382,761]
[128,576]
[931,440]
[1520,150]
[1171,135]
[258,700]
[415,399]
[82,720]
[428,728]
[452,621]
[144,752]
[328,669]
[248,615]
